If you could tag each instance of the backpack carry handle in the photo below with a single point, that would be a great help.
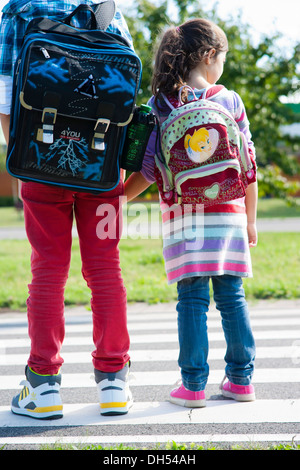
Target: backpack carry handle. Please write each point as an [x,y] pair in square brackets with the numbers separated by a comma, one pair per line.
[104,13]
[99,19]
[180,93]
[82,7]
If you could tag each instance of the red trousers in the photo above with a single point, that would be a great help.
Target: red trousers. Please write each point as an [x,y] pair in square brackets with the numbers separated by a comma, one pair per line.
[49,213]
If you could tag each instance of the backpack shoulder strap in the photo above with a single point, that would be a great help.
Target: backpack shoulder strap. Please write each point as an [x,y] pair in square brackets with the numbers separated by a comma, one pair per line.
[213,90]
[168,101]
[174,102]
[208,93]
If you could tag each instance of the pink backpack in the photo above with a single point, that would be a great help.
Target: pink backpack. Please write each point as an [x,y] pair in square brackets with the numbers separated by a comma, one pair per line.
[204,158]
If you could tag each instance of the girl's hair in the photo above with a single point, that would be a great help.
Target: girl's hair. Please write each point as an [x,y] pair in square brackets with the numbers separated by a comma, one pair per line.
[181,49]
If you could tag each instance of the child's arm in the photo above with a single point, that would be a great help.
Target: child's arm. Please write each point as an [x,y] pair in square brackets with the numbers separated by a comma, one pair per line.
[5,118]
[251,209]
[135,185]
[251,191]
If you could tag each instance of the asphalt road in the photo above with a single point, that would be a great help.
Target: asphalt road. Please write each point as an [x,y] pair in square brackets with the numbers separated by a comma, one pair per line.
[291,224]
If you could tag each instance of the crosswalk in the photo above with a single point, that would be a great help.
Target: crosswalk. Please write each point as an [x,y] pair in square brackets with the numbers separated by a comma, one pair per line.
[273,418]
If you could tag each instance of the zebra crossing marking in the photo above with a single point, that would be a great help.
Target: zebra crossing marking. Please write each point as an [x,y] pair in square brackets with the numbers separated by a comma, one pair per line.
[150,413]
[152,328]
[156,378]
[152,439]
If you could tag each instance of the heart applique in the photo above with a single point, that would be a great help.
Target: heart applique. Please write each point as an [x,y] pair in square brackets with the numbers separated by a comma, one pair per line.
[212,192]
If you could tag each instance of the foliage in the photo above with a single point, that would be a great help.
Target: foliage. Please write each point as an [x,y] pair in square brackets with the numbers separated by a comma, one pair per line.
[171,446]
[260,73]
[2,159]
[271,181]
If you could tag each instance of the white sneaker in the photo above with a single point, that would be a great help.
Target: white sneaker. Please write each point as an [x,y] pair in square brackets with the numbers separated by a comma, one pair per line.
[39,397]
[113,390]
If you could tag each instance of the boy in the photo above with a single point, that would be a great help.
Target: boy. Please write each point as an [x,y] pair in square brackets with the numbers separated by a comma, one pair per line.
[48,213]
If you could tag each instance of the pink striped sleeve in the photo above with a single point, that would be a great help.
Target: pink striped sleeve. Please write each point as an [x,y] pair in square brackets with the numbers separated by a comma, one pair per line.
[241,118]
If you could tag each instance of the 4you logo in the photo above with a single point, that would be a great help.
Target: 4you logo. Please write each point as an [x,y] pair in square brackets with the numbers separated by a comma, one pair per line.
[68,134]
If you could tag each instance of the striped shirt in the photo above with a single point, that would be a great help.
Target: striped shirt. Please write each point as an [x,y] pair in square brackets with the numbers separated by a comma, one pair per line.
[213,240]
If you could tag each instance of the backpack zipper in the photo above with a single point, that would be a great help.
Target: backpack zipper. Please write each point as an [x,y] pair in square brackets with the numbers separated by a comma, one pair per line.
[199,109]
[195,173]
[247,163]
[45,53]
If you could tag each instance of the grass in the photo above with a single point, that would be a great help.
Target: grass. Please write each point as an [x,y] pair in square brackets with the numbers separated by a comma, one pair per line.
[275,261]
[10,217]
[174,446]
[267,208]
[270,208]
[170,446]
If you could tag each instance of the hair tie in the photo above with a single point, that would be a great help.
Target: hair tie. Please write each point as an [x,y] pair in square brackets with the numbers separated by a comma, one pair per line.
[178,29]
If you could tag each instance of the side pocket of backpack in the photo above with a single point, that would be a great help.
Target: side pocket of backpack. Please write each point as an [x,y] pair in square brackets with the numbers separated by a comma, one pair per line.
[247,164]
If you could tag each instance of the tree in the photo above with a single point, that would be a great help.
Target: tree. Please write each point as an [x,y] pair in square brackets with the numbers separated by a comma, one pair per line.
[260,73]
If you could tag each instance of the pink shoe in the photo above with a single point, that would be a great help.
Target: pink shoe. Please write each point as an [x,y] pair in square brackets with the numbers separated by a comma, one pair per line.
[183,397]
[237,392]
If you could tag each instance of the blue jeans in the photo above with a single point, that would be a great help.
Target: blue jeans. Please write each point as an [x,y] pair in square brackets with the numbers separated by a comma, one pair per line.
[193,304]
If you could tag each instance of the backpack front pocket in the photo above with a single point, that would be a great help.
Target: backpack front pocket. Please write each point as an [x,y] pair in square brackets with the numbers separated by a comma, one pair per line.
[210,184]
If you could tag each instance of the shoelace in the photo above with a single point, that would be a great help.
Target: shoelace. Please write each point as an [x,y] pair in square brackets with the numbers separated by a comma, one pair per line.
[222,383]
[178,383]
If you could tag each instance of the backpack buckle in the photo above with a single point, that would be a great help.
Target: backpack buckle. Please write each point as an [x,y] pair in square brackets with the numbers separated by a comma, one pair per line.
[100,129]
[48,120]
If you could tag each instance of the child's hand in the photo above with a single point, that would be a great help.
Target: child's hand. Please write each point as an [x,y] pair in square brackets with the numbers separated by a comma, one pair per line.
[252,234]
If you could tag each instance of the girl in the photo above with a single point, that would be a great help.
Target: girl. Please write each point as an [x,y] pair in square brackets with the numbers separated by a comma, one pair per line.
[193,54]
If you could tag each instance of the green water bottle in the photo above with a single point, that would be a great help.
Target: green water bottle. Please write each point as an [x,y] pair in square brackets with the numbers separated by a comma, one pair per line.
[137,137]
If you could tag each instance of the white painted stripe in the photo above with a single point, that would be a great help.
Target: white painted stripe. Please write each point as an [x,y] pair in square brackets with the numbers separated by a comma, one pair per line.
[266,375]
[290,352]
[170,312]
[282,352]
[167,312]
[157,323]
[144,413]
[213,336]
[159,378]
[163,325]
[152,439]
[145,355]
[134,339]
[170,338]
[255,322]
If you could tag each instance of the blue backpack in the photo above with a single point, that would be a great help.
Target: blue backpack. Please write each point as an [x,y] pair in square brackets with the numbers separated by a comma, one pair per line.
[74,94]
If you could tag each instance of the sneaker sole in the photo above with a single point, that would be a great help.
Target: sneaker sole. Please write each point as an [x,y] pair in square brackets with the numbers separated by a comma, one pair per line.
[238,396]
[54,413]
[115,408]
[188,403]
